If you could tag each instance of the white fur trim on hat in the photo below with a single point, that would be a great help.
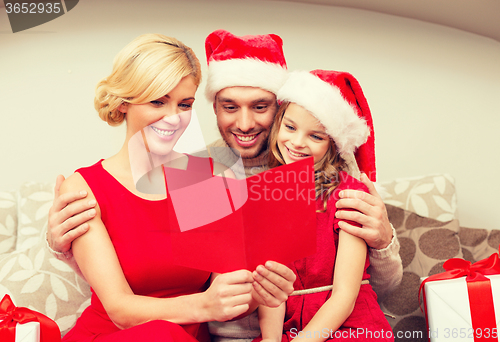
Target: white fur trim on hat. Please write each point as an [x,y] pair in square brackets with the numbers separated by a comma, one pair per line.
[247,72]
[326,103]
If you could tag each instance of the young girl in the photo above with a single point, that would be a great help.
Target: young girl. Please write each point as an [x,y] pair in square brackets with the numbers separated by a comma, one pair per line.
[324,115]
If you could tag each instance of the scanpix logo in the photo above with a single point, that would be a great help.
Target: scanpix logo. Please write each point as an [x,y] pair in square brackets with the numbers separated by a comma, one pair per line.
[24,14]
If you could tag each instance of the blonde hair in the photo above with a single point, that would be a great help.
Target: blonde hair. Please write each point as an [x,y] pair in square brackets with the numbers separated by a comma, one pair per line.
[146,69]
[326,170]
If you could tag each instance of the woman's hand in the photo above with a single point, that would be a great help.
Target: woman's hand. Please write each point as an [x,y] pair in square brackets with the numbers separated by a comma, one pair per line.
[370,213]
[68,217]
[229,296]
[273,284]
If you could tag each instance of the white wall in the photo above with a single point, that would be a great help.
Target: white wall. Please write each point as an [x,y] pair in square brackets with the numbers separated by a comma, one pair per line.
[433,90]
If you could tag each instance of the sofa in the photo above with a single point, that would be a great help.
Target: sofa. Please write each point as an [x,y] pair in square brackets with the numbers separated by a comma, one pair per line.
[423,211]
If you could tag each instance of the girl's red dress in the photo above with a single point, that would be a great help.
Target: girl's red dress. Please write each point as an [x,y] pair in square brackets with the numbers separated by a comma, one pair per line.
[367,321]
[140,233]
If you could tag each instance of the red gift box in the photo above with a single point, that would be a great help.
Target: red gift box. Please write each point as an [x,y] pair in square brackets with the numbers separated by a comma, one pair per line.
[479,291]
[10,316]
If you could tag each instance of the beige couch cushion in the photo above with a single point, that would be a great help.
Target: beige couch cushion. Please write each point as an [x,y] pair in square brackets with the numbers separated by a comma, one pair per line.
[430,196]
[35,200]
[425,245]
[423,210]
[31,275]
[478,244]
[35,279]
[8,222]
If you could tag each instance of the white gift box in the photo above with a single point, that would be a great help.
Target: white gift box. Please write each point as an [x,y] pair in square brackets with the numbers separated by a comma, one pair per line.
[28,332]
[448,310]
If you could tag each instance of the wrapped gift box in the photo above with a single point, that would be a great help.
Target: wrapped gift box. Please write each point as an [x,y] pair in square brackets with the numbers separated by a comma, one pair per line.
[462,303]
[28,332]
[449,313]
[18,324]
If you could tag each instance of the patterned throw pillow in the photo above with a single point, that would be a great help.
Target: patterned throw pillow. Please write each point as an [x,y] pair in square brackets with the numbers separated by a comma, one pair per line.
[37,280]
[478,244]
[35,200]
[31,275]
[430,196]
[8,222]
[425,245]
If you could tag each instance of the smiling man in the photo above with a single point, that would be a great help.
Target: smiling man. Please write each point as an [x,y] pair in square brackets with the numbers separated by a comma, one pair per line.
[244,115]
[244,74]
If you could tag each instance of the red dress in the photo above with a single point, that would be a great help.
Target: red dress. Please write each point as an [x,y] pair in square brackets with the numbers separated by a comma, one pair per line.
[141,236]
[317,270]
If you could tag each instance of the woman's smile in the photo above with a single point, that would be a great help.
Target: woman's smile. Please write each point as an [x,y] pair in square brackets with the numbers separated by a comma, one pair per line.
[163,133]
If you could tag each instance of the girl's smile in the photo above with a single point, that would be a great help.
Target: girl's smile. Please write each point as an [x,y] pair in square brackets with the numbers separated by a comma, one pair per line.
[301,136]
[296,154]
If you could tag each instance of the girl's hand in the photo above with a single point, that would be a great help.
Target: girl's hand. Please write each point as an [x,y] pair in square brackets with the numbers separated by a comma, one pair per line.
[229,296]
[370,213]
[273,284]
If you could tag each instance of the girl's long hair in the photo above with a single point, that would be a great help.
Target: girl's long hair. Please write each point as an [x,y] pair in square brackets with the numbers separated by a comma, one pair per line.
[326,170]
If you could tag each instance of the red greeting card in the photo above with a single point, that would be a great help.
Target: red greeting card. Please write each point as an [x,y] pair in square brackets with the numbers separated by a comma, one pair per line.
[222,224]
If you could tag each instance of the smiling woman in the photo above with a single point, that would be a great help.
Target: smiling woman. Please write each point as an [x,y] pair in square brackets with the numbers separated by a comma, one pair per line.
[152,88]
[126,253]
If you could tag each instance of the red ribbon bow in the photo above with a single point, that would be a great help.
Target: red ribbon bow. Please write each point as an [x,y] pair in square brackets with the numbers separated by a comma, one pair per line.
[10,315]
[478,287]
[456,268]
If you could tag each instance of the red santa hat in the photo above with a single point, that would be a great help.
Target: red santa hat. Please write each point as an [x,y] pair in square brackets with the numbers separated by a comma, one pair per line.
[337,101]
[249,61]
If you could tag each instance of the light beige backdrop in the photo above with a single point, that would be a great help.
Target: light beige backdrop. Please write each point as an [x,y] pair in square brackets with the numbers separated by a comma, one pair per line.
[433,90]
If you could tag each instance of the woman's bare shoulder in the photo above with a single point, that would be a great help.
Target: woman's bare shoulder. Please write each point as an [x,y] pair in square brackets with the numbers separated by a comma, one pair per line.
[75,182]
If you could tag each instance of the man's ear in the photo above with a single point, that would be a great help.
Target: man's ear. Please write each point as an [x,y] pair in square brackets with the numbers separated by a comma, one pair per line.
[215,106]
[123,107]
